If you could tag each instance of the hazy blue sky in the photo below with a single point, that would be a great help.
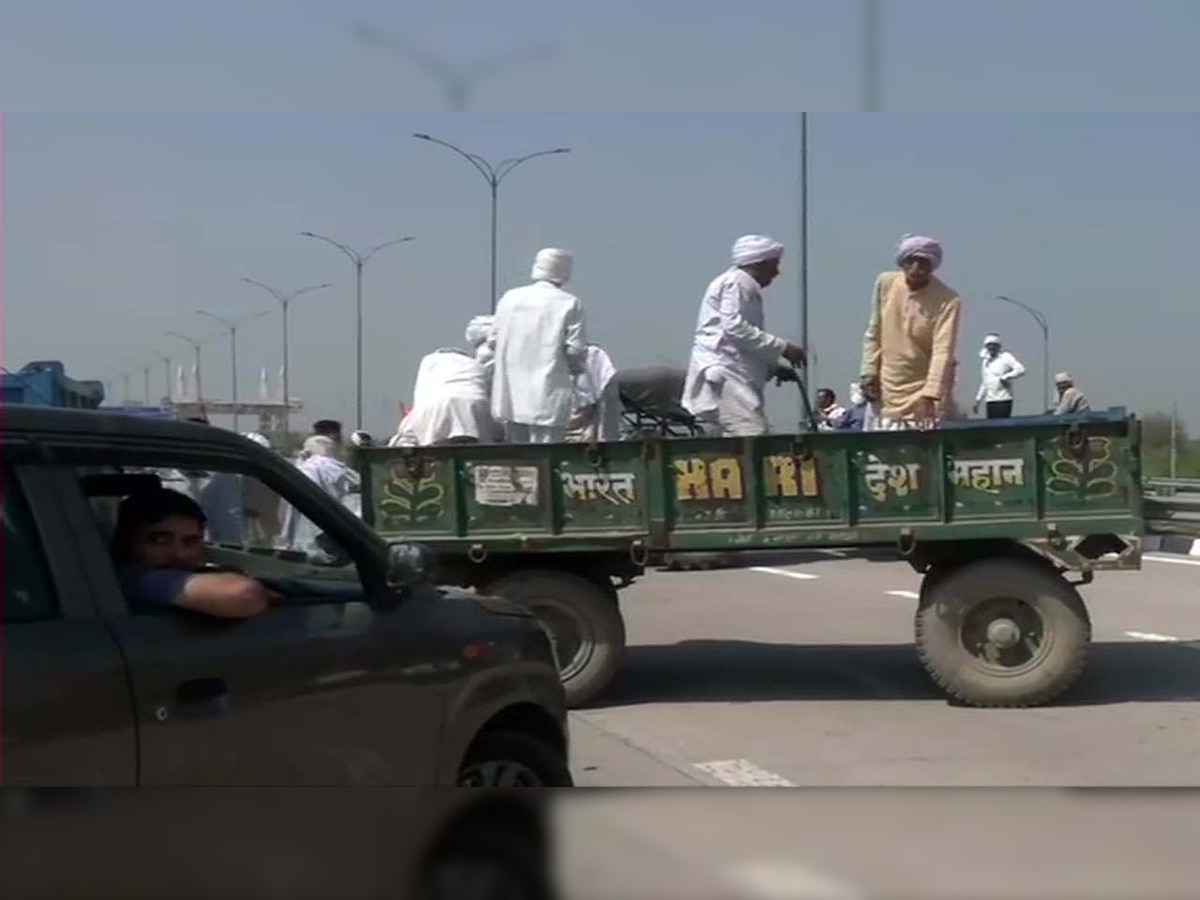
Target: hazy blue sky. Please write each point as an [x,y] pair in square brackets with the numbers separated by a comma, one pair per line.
[121,224]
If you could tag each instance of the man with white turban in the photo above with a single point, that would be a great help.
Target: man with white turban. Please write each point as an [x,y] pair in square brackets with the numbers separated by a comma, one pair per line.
[998,369]
[732,356]
[911,337]
[321,464]
[540,347]
[596,416]
[451,399]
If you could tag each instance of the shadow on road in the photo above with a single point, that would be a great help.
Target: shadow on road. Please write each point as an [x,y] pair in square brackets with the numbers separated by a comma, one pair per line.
[718,671]
[744,559]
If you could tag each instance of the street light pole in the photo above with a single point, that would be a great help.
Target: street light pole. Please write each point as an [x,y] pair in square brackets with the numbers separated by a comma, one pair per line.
[232,326]
[494,175]
[285,299]
[804,242]
[1044,324]
[146,385]
[458,82]
[195,346]
[167,377]
[359,259]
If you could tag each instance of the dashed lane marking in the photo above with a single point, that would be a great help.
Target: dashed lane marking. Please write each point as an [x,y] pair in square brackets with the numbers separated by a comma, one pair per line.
[1173,560]
[742,773]
[787,573]
[1151,636]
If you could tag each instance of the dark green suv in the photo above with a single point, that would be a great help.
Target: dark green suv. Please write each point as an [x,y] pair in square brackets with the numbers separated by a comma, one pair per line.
[362,673]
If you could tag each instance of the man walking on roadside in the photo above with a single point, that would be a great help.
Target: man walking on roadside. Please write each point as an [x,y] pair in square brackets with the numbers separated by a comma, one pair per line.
[997,371]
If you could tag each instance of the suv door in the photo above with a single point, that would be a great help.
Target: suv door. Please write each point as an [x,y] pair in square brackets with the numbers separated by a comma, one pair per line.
[68,715]
[322,689]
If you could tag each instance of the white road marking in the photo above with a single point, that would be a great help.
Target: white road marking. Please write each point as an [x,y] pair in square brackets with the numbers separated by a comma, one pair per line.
[780,880]
[742,773]
[1173,560]
[907,595]
[836,554]
[1151,636]
[771,570]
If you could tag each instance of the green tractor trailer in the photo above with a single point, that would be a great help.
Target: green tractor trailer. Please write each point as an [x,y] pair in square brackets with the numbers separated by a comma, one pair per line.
[1005,520]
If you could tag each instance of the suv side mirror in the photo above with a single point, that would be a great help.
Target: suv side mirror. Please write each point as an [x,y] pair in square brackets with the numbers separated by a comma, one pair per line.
[410,564]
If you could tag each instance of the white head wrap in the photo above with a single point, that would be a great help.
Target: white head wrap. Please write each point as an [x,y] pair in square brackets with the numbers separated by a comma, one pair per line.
[991,339]
[552,265]
[1063,377]
[479,329]
[257,438]
[319,445]
[918,245]
[361,438]
[755,248]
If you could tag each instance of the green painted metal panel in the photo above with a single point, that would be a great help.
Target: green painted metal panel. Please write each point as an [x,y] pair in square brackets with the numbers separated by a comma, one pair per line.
[984,481]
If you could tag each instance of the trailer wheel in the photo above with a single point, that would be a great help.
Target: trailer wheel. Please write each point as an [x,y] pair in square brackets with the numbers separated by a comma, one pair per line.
[1002,633]
[584,622]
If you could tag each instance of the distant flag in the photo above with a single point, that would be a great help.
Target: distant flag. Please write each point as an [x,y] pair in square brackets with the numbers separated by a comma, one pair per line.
[264,388]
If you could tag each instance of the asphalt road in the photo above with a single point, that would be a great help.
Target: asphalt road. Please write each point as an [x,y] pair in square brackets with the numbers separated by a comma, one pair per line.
[801,672]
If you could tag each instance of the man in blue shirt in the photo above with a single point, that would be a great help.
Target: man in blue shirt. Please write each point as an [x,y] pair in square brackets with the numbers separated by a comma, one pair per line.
[158,546]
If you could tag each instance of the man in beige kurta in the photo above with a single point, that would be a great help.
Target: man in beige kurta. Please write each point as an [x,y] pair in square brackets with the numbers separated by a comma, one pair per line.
[910,342]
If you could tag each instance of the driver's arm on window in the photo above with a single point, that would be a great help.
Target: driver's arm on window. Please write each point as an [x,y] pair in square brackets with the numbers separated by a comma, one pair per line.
[225,595]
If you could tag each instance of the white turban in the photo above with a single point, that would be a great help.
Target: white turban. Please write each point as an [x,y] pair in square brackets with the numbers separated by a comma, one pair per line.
[1063,378]
[257,438]
[319,445]
[479,329]
[917,245]
[755,248]
[552,265]
[361,439]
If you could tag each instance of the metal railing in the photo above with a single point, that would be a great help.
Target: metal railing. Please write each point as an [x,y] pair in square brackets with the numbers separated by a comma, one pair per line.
[1168,487]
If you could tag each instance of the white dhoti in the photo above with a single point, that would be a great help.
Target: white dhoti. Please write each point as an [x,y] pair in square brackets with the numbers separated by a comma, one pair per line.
[516,433]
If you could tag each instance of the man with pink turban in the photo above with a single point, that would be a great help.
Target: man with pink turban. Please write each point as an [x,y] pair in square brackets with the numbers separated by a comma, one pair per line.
[908,350]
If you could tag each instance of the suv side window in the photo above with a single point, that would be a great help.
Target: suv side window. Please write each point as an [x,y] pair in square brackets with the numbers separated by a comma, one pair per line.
[250,528]
[28,592]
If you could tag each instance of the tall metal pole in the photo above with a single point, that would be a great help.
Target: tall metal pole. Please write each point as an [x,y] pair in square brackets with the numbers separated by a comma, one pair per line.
[359,260]
[804,238]
[495,188]
[872,53]
[1044,324]
[285,299]
[167,378]
[146,385]
[232,326]
[1174,439]
[195,346]
[494,175]
[125,389]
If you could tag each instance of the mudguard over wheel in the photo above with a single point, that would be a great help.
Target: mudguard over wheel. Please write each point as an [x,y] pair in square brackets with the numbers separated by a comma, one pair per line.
[584,622]
[1002,632]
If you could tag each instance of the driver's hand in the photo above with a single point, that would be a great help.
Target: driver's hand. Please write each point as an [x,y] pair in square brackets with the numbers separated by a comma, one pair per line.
[785,373]
[794,354]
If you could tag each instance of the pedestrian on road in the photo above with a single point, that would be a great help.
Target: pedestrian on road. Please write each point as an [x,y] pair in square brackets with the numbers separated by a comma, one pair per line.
[733,357]
[540,346]
[998,369]
[1070,399]
[911,338]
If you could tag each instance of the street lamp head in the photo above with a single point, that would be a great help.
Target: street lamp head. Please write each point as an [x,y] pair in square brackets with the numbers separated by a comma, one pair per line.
[423,137]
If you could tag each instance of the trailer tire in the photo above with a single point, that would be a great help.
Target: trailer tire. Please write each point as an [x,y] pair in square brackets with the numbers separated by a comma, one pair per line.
[1002,633]
[584,620]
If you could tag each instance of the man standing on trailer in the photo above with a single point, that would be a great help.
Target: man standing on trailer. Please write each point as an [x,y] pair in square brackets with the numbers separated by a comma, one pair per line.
[540,347]
[909,345]
[732,356]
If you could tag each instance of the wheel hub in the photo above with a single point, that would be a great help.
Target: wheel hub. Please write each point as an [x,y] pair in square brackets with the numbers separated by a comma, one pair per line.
[1004,633]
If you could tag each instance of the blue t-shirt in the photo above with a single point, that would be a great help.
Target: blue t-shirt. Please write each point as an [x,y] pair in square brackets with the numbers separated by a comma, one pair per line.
[149,588]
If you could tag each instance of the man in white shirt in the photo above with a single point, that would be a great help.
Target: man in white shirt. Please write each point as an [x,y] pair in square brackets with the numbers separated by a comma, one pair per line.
[732,356]
[540,346]
[997,371]
[597,411]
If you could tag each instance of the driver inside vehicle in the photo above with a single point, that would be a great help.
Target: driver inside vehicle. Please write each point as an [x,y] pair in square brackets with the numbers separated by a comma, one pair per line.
[158,547]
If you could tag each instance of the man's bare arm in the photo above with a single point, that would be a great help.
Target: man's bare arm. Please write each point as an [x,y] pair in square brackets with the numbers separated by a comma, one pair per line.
[225,595]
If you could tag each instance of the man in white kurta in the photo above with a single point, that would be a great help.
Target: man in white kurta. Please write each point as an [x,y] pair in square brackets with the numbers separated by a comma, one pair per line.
[733,357]
[450,402]
[319,461]
[540,347]
[596,416]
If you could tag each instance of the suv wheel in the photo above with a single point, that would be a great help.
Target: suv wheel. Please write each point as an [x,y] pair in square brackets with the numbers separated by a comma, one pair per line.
[504,759]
